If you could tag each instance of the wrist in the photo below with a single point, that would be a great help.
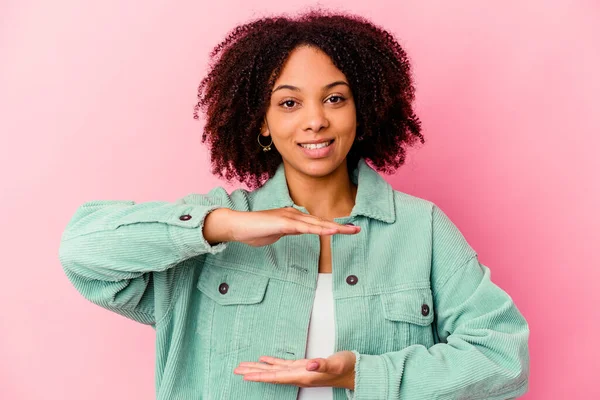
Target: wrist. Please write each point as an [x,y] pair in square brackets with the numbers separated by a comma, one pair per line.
[350,381]
[216,226]
[347,381]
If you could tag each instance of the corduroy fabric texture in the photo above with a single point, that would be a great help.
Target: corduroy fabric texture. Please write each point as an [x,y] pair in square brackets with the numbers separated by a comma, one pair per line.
[422,315]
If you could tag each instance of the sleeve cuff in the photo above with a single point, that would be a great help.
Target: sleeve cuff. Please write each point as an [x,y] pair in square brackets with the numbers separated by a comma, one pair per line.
[187,235]
[371,378]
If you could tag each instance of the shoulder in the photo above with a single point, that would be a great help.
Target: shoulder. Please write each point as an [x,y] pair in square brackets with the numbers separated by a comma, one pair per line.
[425,215]
[410,207]
[404,200]
[423,218]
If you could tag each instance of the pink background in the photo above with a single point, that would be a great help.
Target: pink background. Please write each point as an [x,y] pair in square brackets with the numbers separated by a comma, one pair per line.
[96,103]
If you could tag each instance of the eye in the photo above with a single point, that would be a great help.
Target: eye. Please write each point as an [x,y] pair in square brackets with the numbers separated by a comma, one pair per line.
[288,101]
[337,97]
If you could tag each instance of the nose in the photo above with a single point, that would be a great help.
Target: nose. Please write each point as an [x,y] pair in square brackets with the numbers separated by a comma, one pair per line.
[316,119]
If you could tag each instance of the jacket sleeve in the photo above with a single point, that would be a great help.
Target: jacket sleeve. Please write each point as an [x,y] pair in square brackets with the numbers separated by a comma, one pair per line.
[482,352]
[128,257]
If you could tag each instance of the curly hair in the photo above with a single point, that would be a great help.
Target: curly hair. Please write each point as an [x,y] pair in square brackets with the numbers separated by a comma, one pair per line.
[236,92]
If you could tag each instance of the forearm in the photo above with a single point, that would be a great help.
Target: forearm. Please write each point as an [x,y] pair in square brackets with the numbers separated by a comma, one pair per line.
[113,240]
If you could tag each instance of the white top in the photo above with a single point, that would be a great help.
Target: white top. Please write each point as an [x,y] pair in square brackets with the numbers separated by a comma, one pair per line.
[321,334]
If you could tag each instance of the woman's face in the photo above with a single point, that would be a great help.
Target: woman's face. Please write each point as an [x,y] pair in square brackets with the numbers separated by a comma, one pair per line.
[311,107]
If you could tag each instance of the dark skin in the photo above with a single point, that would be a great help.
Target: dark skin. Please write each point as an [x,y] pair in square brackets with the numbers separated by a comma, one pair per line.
[239,94]
[334,371]
[312,100]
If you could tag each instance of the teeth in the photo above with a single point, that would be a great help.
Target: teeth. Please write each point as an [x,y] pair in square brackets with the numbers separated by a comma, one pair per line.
[316,146]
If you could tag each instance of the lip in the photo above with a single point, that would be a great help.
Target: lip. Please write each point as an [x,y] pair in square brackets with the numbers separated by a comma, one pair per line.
[318,153]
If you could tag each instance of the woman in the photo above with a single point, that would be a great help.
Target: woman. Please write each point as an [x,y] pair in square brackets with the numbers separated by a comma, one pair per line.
[321,281]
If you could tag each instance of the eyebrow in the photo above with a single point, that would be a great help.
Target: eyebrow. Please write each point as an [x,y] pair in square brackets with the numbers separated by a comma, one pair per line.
[297,89]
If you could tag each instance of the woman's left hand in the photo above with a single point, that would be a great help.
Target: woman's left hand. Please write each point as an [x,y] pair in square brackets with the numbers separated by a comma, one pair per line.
[334,371]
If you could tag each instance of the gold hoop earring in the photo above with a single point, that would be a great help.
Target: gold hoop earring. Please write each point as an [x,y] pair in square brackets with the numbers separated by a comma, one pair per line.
[267,147]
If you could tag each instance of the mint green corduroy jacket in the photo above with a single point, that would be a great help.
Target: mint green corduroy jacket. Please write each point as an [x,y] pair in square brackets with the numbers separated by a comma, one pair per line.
[420,312]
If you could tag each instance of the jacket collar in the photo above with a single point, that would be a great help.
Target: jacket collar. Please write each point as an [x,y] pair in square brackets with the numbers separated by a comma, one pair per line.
[374,196]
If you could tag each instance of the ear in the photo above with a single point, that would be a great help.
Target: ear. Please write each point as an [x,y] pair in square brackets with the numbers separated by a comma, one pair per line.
[264,128]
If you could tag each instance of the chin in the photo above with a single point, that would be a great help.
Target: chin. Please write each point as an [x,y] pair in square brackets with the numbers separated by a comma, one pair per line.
[320,167]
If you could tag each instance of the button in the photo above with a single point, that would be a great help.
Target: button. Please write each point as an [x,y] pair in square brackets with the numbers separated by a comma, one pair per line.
[299,268]
[223,288]
[425,310]
[185,217]
[351,280]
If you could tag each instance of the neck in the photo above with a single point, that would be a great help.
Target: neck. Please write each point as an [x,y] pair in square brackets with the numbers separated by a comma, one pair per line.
[331,196]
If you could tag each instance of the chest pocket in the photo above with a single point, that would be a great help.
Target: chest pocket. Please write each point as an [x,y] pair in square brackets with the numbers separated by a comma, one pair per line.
[229,305]
[411,313]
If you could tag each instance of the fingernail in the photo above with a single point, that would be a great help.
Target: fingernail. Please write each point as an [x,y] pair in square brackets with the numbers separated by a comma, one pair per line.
[312,366]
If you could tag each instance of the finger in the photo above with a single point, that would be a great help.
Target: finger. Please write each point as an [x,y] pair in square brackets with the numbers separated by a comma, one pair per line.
[260,365]
[271,377]
[286,377]
[248,370]
[317,365]
[312,366]
[320,221]
[323,229]
[313,219]
[293,227]
[275,360]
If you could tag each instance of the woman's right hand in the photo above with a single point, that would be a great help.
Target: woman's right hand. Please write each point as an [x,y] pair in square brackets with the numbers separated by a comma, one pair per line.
[261,228]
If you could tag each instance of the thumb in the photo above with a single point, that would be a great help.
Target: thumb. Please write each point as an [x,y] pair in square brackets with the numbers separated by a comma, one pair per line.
[317,365]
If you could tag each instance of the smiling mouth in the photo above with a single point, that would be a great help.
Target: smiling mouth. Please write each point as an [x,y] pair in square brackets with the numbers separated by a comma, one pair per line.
[317,145]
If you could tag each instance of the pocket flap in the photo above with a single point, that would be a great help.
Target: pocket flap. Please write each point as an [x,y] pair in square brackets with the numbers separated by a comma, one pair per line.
[242,287]
[412,305]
